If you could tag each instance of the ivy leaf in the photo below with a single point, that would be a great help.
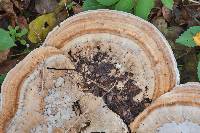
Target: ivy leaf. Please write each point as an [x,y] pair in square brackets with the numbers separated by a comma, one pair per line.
[143,8]
[92,5]
[124,5]
[6,41]
[107,2]
[168,3]
[187,37]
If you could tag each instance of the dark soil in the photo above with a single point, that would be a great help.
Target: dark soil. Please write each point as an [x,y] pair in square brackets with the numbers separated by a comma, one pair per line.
[101,77]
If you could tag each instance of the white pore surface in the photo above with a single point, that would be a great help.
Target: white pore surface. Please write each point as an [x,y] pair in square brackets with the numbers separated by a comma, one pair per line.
[171,118]
[47,100]
[185,127]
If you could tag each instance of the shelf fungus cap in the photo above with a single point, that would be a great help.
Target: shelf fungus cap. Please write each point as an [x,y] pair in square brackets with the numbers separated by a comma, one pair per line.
[154,63]
[38,98]
[176,111]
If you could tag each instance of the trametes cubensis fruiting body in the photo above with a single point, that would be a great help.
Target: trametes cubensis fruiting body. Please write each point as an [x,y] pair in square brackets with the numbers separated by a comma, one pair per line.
[96,72]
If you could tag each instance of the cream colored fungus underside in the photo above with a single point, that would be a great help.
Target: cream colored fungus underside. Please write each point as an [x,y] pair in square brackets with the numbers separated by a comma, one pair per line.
[46,99]
[46,96]
[171,118]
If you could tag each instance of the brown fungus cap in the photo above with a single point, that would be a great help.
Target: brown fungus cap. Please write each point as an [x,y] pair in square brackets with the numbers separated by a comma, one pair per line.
[175,111]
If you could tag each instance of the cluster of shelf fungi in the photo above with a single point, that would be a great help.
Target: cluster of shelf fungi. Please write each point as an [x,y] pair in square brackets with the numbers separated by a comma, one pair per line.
[100,71]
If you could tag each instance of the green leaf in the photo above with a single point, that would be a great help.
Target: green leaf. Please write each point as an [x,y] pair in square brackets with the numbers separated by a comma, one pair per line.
[6,41]
[198,70]
[124,5]
[107,2]
[2,77]
[92,5]
[143,8]
[187,37]
[168,3]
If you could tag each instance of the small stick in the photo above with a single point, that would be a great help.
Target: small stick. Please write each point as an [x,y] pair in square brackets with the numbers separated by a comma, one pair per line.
[59,69]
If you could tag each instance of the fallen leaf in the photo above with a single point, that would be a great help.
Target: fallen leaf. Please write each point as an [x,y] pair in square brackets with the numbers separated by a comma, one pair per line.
[7,6]
[40,27]
[77,9]
[45,6]
[62,15]
[190,63]
[25,3]
[173,32]
[181,16]
[22,22]
[161,24]
[167,14]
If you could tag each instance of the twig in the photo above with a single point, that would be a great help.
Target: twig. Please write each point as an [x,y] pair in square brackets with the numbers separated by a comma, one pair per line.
[20,54]
[59,69]
[187,52]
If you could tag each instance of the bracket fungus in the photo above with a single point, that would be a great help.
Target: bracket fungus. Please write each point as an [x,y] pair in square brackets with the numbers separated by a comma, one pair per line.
[41,99]
[177,111]
[95,73]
